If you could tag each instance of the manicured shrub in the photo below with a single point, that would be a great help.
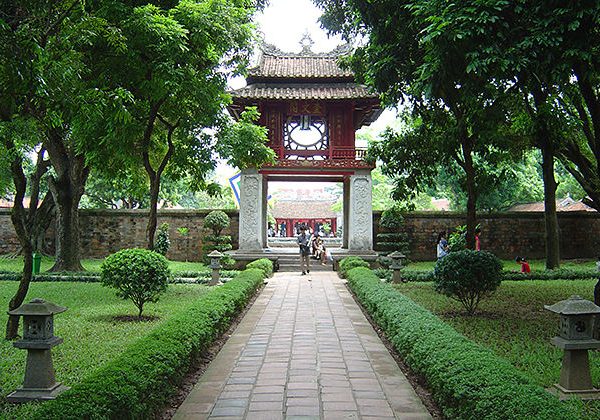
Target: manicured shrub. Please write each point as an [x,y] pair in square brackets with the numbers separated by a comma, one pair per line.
[348,263]
[263,264]
[391,237]
[137,383]
[137,274]
[162,243]
[216,221]
[467,380]
[468,276]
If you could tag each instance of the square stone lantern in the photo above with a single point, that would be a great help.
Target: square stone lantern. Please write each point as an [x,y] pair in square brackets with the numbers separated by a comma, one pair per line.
[38,340]
[215,264]
[576,336]
[396,265]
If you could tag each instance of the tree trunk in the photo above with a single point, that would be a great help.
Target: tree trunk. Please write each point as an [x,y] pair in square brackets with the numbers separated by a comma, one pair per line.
[545,143]
[471,192]
[153,213]
[12,325]
[67,187]
[550,218]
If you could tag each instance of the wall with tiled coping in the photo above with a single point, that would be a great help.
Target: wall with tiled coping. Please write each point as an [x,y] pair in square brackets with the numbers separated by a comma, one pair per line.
[506,234]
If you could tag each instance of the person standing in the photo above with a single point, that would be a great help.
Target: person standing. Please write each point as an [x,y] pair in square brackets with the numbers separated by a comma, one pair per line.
[477,242]
[304,244]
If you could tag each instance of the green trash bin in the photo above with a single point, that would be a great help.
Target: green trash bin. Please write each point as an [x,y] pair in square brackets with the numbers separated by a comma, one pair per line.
[37,262]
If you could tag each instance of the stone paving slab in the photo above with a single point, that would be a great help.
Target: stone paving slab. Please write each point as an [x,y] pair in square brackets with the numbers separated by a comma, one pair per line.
[304,350]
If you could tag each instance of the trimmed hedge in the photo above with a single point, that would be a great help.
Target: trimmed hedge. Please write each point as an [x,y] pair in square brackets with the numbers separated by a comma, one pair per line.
[348,263]
[263,264]
[137,383]
[467,380]
[558,274]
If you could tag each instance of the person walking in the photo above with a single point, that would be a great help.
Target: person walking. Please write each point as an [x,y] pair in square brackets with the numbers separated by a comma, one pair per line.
[304,244]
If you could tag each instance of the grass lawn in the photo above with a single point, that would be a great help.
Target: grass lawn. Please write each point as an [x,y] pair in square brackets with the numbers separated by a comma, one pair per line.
[91,335]
[515,325]
[16,265]
[509,265]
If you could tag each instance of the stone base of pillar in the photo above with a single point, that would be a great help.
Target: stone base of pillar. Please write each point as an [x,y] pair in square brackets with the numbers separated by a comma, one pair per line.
[23,395]
[583,394]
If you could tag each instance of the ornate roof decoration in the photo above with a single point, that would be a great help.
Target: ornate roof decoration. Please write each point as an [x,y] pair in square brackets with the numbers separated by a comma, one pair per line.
[304,91]
[276,64]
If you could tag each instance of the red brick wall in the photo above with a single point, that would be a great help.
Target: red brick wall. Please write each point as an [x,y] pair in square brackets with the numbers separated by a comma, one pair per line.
[506,234]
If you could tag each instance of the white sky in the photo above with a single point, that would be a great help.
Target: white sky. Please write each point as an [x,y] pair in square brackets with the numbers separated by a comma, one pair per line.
[283,23]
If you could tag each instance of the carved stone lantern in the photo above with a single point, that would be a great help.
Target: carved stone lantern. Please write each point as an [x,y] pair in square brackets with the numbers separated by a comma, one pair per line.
[396,265]
[38,340]
[215,264]
[576,337]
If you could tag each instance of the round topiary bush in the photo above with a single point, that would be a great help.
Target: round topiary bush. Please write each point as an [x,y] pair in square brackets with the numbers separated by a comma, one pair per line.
[216,220]
[137,274]
[349,263]
[468,276]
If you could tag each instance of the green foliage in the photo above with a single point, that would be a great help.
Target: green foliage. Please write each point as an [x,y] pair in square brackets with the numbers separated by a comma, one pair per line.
[244,143]
[391,238]
[137,274]
[137,383]
[263,264]
[468,276]
[348,263]
[92,335]
[216,221]
[162,242]
[515,327]
[467,380]
[457,241]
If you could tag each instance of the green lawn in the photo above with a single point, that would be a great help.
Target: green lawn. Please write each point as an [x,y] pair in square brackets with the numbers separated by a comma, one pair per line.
[16,265]
[514,324]
[509,265]
[91,335]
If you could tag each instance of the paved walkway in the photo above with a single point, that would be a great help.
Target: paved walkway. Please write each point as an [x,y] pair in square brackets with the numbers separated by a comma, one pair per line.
[303,351]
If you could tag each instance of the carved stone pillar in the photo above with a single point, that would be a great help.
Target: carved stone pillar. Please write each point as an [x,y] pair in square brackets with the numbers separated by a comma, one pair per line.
[251,211]
[360,214]
[346,207]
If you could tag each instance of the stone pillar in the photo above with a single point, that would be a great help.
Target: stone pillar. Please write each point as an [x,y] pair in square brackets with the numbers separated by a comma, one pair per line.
[251,211]
[360,213]
[265,208]
[345,208]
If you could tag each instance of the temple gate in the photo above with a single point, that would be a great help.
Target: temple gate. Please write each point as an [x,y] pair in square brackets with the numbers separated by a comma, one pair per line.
[312,108]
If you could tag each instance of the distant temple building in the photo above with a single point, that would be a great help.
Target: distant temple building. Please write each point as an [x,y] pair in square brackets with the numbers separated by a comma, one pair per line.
[312,108]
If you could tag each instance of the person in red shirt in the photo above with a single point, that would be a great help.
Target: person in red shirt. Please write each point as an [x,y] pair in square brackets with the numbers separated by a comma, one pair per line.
[524,264]
[477,242]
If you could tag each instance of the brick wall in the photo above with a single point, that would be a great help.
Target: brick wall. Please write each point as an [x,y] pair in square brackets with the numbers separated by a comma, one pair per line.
[506,234]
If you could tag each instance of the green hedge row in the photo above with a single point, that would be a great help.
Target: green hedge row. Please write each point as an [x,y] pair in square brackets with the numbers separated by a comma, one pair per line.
[137,383]
[263,264]
[558,274]
[467,380]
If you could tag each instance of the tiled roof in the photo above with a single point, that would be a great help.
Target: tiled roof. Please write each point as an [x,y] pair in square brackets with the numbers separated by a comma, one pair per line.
[304,91]
[275,64]
[299,67]
[567,204]
[303,209]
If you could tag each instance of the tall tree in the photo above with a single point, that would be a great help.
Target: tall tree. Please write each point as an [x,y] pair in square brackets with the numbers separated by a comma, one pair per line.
[401,59]
[174,65]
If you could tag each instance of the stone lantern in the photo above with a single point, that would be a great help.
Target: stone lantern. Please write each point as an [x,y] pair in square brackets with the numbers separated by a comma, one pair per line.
[38,340]
[215,264]
[576,337]
[396,265]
